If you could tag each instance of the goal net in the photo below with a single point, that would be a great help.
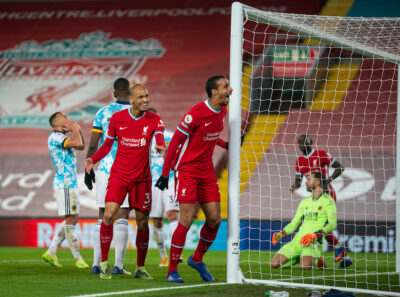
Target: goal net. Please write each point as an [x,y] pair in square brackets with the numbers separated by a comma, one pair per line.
[334,79]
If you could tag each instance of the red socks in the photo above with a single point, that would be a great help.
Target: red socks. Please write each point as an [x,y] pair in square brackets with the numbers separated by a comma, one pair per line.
[177,243]
[106,235]
[142,244]
[207,236]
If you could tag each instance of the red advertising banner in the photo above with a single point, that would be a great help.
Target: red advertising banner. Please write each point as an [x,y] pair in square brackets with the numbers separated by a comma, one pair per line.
[66,55]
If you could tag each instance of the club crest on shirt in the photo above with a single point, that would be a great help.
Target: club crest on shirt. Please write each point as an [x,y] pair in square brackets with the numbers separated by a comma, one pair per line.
[145,128]
[72,75]
[188,119]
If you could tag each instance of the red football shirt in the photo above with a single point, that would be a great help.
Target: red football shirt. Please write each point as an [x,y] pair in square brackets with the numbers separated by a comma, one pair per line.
[134,136]
[203,126]
[315,161]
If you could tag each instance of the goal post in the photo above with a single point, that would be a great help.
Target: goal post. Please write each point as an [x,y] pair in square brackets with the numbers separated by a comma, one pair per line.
[335,79]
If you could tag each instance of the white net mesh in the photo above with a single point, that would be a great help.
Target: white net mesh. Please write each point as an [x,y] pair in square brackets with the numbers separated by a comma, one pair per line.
[334,79]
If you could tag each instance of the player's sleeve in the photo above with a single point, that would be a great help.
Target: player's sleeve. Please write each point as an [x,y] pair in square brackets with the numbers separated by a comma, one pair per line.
[298,169]
[295,223]
[112,132]
[177,139]
[159,133]
[326,158]
[188,123]
[330,208]
[97,125]
[60,140]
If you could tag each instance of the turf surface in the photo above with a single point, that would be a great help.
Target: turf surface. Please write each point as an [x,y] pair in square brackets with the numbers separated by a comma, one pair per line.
[24,273]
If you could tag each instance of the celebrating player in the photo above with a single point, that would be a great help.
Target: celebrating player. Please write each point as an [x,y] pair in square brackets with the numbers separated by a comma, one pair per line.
[198,133]
[133,128]
[317,216]
[65,186]
[318,160]
[163,202]
[122,93]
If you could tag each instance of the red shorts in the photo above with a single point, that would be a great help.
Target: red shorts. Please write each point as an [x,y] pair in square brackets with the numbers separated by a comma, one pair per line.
[192,185]
[139,192]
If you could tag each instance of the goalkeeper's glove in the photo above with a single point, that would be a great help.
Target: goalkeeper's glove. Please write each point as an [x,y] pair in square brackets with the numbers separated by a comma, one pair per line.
[310,237]
[162,183]
[89,178]
[277,236]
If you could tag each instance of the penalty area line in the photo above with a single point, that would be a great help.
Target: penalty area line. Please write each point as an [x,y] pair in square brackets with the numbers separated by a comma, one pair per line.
[149,290]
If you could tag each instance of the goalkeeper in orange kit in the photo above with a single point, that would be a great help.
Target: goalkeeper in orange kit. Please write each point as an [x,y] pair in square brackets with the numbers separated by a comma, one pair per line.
[317,216]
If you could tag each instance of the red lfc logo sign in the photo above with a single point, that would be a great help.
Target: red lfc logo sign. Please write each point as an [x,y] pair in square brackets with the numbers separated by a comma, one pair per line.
[68,75]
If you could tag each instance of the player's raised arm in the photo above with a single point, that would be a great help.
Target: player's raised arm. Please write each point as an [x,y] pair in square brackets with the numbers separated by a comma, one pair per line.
[76,141]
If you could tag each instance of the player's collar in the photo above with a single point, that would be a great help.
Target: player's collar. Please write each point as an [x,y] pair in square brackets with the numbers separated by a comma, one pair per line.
[123,102]
[210,107]
[136,118]
[312,151]
[56,131]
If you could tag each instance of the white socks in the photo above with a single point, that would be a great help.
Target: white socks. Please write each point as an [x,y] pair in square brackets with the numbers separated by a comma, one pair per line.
[58,238]
[73,241]
[172,227]
[96,245]
[121,241]
[159,238]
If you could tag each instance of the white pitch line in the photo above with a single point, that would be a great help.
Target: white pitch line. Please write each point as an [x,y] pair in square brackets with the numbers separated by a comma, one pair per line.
[149,290]
[338,275]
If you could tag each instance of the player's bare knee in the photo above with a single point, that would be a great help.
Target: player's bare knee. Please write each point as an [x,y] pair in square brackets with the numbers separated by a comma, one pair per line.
[108,218]
[274,265]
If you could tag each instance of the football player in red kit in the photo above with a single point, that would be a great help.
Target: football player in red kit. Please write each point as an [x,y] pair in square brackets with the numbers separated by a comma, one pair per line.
[133,128]
[198,133]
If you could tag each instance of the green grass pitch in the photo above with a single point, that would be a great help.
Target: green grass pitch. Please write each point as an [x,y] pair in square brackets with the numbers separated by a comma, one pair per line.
[24,273]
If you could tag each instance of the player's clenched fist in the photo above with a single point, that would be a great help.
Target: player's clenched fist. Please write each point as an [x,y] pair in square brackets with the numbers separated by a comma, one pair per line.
[277,236]
[162,183]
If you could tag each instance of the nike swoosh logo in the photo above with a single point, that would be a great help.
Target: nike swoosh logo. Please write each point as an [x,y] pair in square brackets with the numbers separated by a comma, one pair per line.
[207,124]
[122,128]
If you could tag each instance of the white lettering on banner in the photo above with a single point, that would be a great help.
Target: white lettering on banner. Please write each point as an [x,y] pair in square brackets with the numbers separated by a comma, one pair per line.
[64,70]
[125,13]
[389,193]
[17,202]
[25,180]
[368,243]
[361,182]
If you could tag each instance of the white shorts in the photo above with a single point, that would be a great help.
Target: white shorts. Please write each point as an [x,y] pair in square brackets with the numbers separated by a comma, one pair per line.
[67,201]
[101,190]
[163,201]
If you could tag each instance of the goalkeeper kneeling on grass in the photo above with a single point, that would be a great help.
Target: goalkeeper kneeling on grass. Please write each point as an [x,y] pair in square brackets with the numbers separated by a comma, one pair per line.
[317,216]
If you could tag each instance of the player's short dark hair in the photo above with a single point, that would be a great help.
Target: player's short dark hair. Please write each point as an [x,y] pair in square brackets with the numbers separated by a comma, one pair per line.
[152,109]
[318,175]
[307,139]
[53,117]
[212,84]
[122,86]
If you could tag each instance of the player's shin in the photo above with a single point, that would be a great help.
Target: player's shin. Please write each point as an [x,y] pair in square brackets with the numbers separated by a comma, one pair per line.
[96,245]
[73,240]
[58,238]
[142,243]
[207,237]
[121,241]
[177,244]
[159,236]
[106,235]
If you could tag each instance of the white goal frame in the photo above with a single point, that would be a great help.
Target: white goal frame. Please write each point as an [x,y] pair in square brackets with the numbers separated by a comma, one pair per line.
[234,274]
